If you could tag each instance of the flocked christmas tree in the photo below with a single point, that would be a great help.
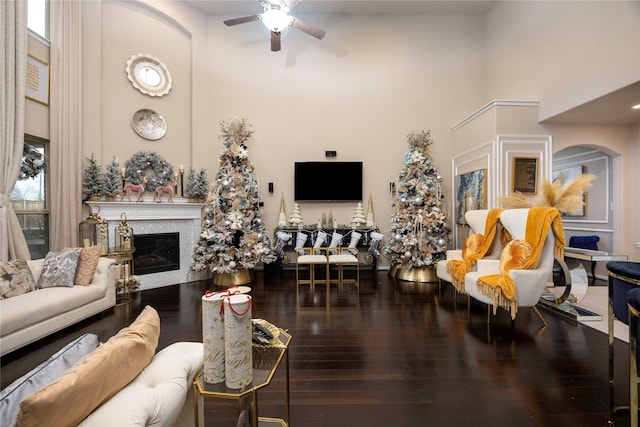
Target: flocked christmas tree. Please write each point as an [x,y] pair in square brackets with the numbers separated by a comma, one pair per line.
[191,188]
[92,179]
[233,234]
[419,233]
[112,178]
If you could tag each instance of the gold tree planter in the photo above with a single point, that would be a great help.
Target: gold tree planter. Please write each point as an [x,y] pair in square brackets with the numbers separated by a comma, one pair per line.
[240,277]
[420,274]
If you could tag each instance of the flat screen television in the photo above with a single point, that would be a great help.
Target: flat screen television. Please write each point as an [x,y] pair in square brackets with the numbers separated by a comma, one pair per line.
[328,181]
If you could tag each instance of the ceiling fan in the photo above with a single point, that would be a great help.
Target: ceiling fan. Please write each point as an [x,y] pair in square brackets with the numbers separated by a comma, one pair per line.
[276,18]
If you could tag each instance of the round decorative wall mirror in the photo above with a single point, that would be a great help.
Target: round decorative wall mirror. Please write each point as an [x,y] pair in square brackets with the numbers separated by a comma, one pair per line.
[149,75]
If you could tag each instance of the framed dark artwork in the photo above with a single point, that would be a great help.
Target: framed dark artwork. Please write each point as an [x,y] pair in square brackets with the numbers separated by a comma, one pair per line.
[470,191]
[525,175]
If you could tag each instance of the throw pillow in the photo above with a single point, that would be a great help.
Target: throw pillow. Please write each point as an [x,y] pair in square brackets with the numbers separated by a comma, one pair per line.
[514,255]
[87,264]
[15,278]
[59,269]
[43,375]
[472,244]
[96,378]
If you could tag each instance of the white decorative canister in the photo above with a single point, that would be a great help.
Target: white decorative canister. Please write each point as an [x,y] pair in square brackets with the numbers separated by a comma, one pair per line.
[238,355]
[213,336]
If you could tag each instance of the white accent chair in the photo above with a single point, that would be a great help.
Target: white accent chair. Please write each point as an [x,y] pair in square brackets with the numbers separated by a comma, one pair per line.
[344,256]
[477,220]
[312,257]
[530,283]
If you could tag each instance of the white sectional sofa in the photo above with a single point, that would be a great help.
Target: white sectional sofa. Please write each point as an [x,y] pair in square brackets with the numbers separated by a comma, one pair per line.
[122,382]
[31,316]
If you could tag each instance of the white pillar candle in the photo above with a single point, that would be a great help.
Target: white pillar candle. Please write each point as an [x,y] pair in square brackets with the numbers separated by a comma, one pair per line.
[213,336]
[237,341]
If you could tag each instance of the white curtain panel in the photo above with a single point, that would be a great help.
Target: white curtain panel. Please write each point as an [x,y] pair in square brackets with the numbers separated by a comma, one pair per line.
[13,64]
[65,106]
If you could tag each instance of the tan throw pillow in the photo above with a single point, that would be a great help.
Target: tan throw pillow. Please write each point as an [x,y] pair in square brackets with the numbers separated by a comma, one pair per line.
[514,255]
[87,264]
[472,244]
[96,378]
[15,278]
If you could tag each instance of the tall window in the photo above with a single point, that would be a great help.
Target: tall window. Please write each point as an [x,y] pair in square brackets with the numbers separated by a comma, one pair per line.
[29,196]
[38,17]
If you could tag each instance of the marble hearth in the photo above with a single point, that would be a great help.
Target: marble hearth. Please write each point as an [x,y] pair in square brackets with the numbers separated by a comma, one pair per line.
[150,218]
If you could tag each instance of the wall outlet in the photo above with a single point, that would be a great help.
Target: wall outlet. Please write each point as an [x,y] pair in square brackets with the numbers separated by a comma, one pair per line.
[330,153]
[638,245]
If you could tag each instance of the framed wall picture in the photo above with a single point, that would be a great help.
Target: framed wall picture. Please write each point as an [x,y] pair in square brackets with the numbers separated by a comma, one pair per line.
[525,175]
[566,175]
[37,80]
[471,191]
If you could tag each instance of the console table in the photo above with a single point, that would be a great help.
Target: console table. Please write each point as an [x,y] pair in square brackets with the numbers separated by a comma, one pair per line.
[266,360]
[367,260]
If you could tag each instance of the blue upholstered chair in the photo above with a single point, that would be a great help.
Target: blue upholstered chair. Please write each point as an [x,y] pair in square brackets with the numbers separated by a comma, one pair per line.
[633,304]
[624,279]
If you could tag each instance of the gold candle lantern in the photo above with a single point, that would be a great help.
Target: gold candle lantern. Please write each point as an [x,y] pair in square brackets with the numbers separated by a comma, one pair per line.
[94,231]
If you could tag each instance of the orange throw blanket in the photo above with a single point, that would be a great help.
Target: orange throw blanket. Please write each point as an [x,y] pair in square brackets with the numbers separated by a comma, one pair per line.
[500,287]
[458,268]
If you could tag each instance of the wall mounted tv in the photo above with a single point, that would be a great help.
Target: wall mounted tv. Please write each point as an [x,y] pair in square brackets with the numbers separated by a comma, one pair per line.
[328,181]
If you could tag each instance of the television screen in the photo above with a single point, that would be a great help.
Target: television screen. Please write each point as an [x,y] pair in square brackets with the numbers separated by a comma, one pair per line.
[328,181]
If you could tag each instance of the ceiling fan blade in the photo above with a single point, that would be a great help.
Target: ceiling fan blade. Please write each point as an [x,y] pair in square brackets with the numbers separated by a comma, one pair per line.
[308,28]
[275,41]
[242,20]
[292,3]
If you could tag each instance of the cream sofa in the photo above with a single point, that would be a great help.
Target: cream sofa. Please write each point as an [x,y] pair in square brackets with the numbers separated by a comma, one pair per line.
[29,317]
[122,382]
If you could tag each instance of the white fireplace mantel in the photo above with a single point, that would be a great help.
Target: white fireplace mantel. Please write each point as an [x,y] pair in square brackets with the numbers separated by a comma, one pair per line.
[150,217]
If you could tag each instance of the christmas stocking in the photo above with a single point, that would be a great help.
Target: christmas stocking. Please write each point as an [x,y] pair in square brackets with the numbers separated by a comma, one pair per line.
[283,238]
[322,236]
[376,238]
[355,238]
[336,240]
[301,239]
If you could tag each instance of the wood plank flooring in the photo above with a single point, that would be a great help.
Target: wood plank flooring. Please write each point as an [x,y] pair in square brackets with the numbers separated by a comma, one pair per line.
[393,354]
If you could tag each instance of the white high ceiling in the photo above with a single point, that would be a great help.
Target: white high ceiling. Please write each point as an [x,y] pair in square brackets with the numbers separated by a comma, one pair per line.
[613,108]
[468,7]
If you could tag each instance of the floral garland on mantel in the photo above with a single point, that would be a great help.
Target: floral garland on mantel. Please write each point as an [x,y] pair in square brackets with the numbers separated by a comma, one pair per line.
[143,161]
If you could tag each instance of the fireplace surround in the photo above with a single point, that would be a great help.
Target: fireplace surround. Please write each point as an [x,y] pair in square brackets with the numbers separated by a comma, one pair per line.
[159,218]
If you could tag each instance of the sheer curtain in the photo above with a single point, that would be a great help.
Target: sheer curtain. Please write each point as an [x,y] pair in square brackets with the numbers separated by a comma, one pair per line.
[66,130]
[13,64]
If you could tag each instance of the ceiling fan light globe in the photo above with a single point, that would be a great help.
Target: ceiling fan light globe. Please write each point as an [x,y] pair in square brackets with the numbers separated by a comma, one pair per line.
[275,20]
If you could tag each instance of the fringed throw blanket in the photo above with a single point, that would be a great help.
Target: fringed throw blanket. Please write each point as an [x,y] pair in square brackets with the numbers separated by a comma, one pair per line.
[475,247]
[500,287]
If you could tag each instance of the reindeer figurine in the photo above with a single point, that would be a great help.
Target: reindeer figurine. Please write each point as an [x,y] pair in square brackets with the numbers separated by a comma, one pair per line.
[134,188]
[164,189]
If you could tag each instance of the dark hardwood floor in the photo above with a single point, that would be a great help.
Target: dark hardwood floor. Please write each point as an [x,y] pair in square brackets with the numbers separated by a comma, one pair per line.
[398,354]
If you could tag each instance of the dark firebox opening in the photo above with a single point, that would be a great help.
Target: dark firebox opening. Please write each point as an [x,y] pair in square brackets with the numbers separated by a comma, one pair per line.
[155,253]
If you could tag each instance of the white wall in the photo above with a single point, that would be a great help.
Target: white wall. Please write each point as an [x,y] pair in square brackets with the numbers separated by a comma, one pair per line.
[562,53]
[360,91]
